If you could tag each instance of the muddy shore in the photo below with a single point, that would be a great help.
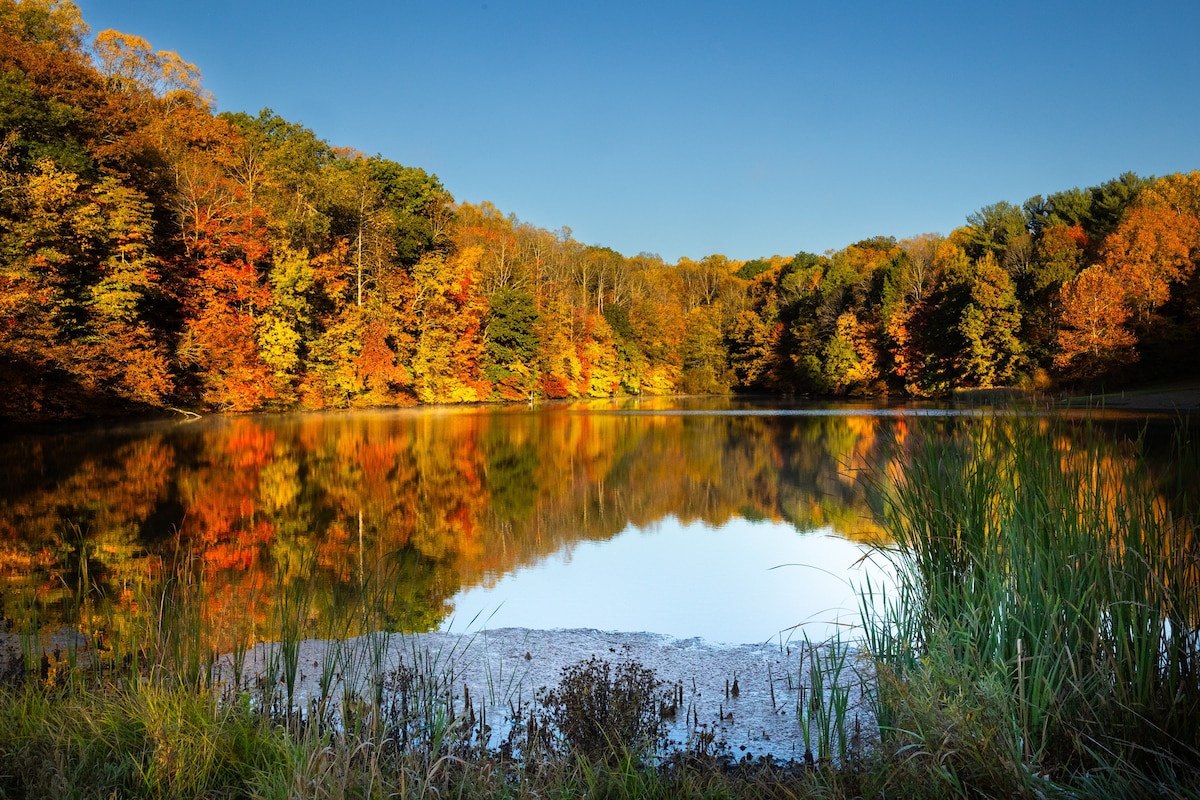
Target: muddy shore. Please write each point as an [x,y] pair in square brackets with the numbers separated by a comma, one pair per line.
[504,670]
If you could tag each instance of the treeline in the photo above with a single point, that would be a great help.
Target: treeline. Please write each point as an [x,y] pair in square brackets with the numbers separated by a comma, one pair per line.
[155,254]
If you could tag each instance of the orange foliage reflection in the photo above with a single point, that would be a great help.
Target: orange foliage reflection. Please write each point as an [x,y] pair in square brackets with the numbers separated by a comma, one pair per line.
[400,510]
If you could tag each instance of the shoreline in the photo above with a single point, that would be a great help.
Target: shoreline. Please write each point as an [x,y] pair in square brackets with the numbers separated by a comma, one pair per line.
[1183,400]
[1153,398]
[504,671]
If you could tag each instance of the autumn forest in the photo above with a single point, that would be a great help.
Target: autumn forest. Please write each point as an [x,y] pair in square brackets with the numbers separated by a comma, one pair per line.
[155,254]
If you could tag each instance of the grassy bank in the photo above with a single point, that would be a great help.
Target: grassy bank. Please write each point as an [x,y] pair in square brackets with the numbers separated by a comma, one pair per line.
[83,733]
[157,711]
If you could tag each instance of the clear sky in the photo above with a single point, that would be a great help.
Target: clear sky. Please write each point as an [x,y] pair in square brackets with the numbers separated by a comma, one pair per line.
[697,127]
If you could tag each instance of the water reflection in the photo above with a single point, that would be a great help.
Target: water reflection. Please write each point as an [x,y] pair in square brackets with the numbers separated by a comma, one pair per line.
[742,582]
[414,512]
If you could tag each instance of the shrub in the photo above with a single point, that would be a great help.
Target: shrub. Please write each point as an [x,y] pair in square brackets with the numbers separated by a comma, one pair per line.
[604,711]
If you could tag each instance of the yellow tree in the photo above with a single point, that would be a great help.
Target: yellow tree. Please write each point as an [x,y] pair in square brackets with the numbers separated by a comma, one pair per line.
[288,319]
[128,283]
[598,358]
[657,317]
[988,326]
[501,265]
[1154,252]
[450,312]
[133,67]
[558,356]
[77,281]
[1179,192]
[705,358]
[850,356]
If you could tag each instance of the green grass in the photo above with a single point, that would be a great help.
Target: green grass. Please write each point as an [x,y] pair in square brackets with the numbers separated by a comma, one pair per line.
[146,742]
[1043,631]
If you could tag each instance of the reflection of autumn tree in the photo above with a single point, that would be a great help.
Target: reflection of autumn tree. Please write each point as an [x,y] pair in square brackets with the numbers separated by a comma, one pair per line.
[357,519]
[821,473]
[449,491]
[224,529]
[456,498]
[1120,476]
[511,462]
[397,511]
[74,522]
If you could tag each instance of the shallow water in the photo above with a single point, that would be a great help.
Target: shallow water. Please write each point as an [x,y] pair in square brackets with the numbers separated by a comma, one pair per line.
[504,669]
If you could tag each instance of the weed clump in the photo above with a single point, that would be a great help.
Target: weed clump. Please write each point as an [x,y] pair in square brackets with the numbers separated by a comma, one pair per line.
[605,711]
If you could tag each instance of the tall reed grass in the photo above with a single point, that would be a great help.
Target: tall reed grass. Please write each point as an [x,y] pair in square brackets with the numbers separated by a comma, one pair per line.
[1044,624]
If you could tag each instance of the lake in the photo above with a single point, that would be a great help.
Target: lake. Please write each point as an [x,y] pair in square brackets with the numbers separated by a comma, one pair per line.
[728,520]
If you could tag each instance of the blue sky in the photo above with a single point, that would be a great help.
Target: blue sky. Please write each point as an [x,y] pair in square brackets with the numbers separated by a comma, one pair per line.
[691,128]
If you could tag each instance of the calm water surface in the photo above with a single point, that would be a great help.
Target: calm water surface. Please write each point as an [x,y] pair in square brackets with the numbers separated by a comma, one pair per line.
[720,519]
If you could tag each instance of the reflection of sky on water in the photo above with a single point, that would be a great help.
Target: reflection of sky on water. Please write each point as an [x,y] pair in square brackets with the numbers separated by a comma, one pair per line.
[744,582]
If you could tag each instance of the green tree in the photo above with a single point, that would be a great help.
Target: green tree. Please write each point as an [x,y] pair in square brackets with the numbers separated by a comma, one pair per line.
[50,93]
[994,229]
[965,332]
[287,170]
[512,344]
[849,361]
[1059,256]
